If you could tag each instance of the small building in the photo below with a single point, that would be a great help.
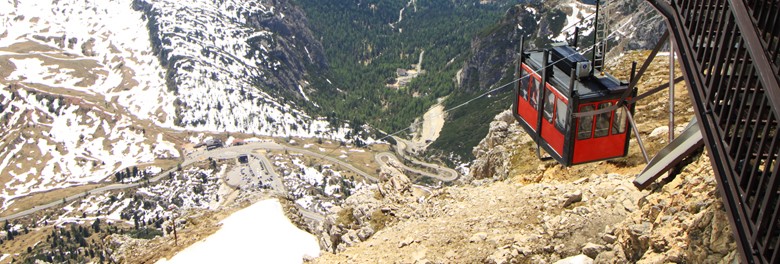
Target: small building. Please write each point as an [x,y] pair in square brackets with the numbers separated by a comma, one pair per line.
[213,144]
[401,72]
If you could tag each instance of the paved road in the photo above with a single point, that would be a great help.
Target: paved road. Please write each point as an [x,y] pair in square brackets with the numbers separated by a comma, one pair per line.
[222,153]
[444,174]
[234,151]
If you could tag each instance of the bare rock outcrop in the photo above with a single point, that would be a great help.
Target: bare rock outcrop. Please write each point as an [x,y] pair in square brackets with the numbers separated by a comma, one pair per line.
[493,154]
[366,212]
[683,221]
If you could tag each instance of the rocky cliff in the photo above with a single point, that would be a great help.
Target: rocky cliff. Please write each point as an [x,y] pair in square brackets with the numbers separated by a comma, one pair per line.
[494,51]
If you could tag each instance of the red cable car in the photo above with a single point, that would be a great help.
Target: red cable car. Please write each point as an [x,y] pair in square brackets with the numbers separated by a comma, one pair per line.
[571,86]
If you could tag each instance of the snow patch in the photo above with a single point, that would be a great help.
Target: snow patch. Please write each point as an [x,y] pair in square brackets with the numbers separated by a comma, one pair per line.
[258,233]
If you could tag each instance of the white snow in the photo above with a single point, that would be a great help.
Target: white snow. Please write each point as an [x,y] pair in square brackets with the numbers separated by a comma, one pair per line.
[119,42]
[217,71]
[115,214]
[35,71]
[301,179]
[310,175]
[165,149]
[215,86]
[579,12]
[300,89]
[260,233]
[578,259]
[77,144]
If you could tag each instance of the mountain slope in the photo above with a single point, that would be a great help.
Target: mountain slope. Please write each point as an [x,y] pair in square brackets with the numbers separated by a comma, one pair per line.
[90,88]
[101,49]
[236,65]
[77,97]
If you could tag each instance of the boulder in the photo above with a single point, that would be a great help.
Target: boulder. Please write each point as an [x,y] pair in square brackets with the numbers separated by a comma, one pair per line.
[502,255]
[578,259]
[365,232]
[478,237]
[572,197]
[592,250]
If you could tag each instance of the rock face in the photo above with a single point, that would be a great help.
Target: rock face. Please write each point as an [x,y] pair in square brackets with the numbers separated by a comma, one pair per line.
[644,26]
[684,221]
[505,222]
[493,53]
[366,212]
[493,152]
[497,222]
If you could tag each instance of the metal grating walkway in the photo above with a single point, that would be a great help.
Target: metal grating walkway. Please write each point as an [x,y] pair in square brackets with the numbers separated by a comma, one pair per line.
[729,53]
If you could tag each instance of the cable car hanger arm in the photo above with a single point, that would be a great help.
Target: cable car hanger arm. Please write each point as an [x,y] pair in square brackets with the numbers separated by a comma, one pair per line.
[645,65]
[629,101]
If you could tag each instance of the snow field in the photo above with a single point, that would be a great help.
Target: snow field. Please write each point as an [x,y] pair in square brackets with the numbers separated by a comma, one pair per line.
[71,145]
[109,36]
[579,11]
[260,233]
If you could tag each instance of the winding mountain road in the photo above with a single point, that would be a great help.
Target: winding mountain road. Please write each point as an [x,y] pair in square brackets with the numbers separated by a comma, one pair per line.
[444,174]
[388,158]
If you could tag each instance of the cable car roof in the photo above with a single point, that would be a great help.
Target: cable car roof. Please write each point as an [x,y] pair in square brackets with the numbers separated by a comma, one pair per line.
[590,87]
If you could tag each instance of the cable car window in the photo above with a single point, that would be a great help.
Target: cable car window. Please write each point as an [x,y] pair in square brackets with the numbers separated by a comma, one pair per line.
[586,123]
[602,121]
[561,115]
[523,88]
[548,106]
[619,124]
[534,93]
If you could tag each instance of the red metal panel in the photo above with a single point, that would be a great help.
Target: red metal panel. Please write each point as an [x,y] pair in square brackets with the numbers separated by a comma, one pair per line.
[553,137]
[524,108]
[551,134]
[527,112]
[598,148]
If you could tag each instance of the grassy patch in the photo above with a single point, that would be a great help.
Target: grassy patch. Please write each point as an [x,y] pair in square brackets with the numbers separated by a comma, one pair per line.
[345,217]
[380,220]
[145,233]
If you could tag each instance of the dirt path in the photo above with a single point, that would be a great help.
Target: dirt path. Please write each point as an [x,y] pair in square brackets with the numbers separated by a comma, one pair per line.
[433,122]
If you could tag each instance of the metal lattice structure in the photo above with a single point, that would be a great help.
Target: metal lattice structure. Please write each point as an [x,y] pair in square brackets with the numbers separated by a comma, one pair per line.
[729,54]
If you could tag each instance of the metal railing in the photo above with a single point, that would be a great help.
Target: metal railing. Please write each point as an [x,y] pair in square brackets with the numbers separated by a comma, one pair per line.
[729,54]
